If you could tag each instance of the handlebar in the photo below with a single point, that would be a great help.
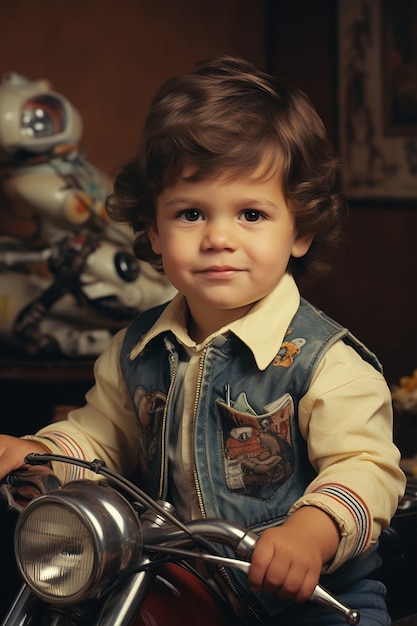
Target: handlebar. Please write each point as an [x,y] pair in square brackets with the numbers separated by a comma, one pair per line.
[242,542]
[162,531]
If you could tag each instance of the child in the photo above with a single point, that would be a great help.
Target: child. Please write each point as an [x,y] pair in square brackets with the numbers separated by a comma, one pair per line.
[238,399]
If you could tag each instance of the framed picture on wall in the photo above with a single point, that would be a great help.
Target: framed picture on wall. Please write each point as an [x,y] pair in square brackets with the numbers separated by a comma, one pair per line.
[377,99]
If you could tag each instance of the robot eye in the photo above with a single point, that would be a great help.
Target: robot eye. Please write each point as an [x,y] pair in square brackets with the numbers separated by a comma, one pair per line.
[43,116]
[127,266]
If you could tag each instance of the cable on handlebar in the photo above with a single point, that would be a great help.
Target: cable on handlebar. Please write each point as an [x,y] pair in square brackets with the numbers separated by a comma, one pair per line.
[99,467]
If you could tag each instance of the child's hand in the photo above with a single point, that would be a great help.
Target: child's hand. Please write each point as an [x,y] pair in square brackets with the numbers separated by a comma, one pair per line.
[13,451]
[288,559]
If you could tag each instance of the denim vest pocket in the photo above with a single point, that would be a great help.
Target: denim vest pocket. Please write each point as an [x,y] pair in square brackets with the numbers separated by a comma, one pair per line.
[258,450]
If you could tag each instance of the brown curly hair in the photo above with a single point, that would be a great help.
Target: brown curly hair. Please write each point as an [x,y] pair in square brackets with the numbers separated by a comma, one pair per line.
[227,117]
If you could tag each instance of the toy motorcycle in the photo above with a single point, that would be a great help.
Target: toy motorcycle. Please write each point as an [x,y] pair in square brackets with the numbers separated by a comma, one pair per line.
[104,553]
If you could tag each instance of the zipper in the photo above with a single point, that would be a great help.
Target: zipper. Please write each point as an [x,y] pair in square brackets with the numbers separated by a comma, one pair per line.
[173,367]
[197,396]
[222,572]
[245,603]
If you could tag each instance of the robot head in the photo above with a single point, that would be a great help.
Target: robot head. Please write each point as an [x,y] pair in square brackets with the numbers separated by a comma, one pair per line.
[34,118]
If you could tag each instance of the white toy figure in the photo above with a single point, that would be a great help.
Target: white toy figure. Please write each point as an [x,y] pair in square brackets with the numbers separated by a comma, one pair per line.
[68,276]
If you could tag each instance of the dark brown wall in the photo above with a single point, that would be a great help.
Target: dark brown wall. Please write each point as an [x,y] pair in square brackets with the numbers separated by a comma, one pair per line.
[374,288]
[109,56]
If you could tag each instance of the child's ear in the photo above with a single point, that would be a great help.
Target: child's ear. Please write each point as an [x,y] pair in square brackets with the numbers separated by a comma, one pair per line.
[154,238]
[301,245]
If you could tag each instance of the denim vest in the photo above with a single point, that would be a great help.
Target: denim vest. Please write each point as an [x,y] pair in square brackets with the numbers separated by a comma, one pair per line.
[250,458]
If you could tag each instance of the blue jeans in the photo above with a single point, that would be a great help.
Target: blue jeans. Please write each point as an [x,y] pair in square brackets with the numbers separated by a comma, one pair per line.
[366,596]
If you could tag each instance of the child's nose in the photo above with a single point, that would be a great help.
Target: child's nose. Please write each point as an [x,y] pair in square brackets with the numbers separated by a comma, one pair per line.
[219,235]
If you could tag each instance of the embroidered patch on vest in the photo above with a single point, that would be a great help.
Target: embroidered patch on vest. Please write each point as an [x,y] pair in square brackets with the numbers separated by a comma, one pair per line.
[258,450]
[288,350]
[149,407]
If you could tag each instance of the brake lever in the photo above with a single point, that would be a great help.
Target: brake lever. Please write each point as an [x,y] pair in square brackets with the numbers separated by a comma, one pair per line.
[320,595]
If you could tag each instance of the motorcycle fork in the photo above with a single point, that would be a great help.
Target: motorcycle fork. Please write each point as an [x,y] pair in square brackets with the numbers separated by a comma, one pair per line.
[121,608]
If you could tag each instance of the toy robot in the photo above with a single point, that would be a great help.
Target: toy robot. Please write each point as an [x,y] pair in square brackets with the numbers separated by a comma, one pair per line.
[68,277]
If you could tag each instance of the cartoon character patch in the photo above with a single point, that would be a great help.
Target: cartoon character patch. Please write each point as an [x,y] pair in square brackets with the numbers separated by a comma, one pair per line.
[150,407]
[258,451]
[288,350]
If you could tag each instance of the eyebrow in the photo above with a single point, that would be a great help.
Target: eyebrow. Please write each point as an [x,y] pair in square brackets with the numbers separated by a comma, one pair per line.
[248,201]
[181,200]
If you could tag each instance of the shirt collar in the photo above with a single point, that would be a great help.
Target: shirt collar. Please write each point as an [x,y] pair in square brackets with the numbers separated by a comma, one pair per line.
[272,314]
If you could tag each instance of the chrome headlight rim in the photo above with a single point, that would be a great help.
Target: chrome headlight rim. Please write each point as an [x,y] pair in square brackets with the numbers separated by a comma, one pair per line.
[112,531]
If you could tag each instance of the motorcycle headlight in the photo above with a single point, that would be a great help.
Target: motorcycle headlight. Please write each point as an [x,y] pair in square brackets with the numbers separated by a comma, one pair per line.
[71,544]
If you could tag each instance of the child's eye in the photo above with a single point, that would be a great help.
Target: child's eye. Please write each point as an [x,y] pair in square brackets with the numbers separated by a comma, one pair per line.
[190,215]
[252,215]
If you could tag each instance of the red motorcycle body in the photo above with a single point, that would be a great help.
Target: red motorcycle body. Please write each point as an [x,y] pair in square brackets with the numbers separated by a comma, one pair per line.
[178,597]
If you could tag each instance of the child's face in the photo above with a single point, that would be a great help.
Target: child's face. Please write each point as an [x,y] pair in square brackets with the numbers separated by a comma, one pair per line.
[225,244]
